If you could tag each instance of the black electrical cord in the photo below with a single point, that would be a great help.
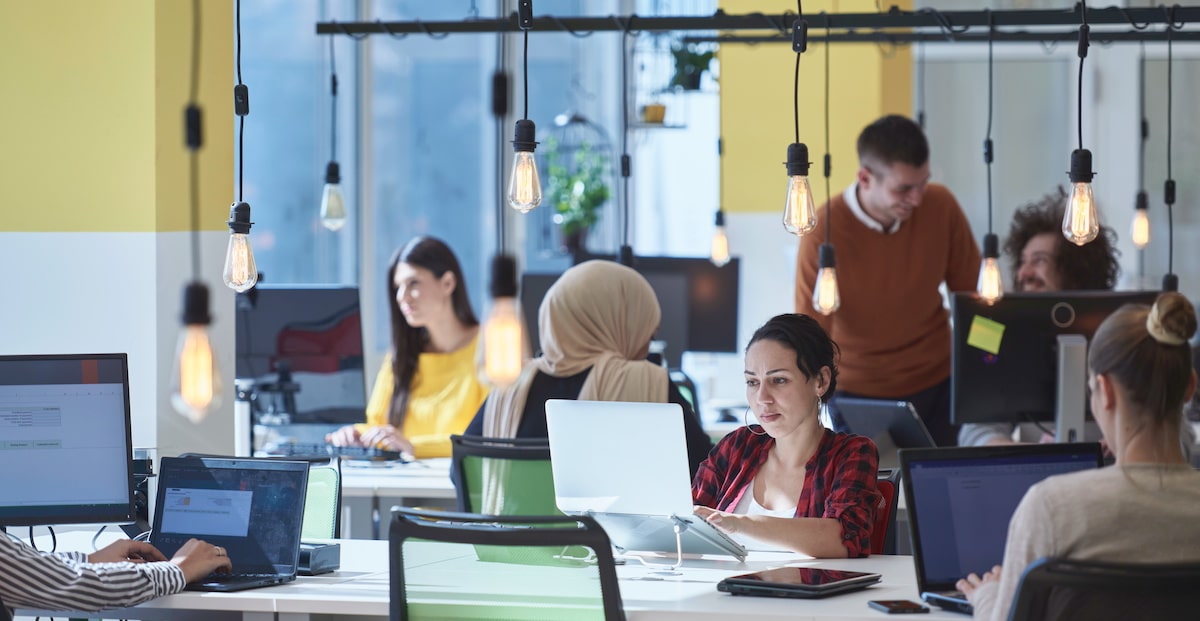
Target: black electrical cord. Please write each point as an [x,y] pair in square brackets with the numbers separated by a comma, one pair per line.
[241,118]
[1169,190]
[194,141]
[626,162]
[499,110]
[828,159]
[987,144]
[333,87]
[1083,37]
[796,83]
[525,74]
[921,84]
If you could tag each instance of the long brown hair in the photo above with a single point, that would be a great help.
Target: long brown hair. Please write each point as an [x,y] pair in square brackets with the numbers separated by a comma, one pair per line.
[408,342]
[1146,349]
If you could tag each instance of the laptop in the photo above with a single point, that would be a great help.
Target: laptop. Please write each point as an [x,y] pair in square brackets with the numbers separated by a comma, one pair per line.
[251,507]
[892,425]
[626,465]
[960,501]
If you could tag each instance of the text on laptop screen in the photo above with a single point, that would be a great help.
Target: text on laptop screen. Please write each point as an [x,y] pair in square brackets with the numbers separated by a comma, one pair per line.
[254,513]
[65,440]
[965,507]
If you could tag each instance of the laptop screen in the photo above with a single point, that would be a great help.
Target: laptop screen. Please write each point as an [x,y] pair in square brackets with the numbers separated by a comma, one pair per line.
[252,508]
[960,501]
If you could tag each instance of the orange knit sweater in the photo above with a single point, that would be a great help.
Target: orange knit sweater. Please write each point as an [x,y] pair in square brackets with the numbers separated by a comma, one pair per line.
[892,327]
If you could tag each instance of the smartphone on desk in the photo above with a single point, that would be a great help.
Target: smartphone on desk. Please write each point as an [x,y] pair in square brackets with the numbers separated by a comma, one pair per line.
[897,606]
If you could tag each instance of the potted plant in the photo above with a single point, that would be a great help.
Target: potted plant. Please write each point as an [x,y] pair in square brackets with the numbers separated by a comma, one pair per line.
[577,189]
[690,65]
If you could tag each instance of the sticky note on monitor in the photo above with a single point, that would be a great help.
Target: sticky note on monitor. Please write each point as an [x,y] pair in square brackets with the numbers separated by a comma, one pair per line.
[985,334]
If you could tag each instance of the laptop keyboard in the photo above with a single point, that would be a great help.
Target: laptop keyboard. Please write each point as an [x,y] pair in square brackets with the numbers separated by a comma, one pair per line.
[329,450]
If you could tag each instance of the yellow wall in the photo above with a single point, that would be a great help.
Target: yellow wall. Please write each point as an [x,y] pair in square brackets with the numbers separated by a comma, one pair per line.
[92,115]
[756,105]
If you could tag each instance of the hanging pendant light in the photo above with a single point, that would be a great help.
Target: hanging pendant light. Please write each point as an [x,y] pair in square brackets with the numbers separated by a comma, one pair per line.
[1170,280]
[505,346]
[1081,224]
[333,202]
[719,249]
[826,297]
[524,184]
[990,286]
[799,212]
[240,271]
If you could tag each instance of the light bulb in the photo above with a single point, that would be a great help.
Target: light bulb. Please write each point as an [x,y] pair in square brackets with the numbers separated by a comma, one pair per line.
[720,243]
[1141,228]
[990,287]
[195,379]
[505,347]
[825,294]
[240,273]
[524,185]
[799,213]
[1080,223]
[333,203]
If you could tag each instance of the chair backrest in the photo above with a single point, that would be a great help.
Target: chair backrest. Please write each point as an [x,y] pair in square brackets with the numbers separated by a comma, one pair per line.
[435,575]
[323,502]
[687,388]
[516,469]
[883,532]
[1053,588]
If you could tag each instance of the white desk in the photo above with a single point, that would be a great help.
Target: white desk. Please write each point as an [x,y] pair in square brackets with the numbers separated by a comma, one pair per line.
[425,482]
[360,590]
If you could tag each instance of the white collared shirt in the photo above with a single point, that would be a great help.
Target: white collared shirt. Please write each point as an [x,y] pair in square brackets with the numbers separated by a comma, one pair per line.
[851,197]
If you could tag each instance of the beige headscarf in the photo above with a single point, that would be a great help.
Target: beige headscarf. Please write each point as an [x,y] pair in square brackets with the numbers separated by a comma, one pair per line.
[599,314]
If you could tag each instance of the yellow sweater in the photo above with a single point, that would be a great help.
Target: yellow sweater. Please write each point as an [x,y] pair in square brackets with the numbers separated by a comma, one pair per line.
[445,395]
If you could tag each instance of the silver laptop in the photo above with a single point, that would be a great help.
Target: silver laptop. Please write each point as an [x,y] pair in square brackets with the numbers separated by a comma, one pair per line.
[251,507]
[626,465]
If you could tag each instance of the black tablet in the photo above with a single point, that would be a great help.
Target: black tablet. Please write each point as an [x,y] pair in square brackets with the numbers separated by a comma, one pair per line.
[804,582]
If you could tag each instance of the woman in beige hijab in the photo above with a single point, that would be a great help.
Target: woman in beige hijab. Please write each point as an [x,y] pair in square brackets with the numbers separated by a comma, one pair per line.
[595,326]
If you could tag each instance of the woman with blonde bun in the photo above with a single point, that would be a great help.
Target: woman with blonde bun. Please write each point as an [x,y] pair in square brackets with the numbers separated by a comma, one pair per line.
[1145,508]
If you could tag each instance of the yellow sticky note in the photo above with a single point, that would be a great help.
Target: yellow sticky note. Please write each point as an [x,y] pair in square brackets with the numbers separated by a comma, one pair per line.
[985,334]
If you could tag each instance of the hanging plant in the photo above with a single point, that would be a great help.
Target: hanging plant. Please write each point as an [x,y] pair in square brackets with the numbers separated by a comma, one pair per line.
[690,65]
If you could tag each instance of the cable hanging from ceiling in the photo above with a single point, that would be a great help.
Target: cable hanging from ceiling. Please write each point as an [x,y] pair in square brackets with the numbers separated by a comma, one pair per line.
[1170,281]
[240,271]
[826,297]
[1081,223]
[1140,228]
[799,213]
[990,286]
[333,202]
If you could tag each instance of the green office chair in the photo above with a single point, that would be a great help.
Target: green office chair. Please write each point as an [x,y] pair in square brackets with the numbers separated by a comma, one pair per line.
[503,476]
[323,502]
[1061,589]
[435,574]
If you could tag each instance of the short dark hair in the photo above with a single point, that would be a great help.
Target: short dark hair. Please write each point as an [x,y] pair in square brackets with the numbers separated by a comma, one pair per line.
[803,335]
[892,139]
[1090,266]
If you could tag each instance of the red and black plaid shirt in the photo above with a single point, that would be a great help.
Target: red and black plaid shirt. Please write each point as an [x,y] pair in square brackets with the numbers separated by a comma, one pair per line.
[839,481]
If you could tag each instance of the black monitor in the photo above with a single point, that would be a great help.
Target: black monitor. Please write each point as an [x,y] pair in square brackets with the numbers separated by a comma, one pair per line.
[699,303]
[303,347]
[1004,357]
[65,442]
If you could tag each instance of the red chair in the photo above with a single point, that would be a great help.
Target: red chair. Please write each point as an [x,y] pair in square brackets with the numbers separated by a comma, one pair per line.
[883,532]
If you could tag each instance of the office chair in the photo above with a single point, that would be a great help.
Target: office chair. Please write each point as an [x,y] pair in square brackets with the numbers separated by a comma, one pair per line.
[687,388]
[468,587]
[323,501]
[1053,588]
[513,473]
[883,532]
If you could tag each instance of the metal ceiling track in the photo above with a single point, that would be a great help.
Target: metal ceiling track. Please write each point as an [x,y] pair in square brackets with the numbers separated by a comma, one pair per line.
[943,23]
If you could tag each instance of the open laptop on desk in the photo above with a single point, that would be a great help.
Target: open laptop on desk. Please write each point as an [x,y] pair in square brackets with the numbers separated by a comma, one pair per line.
[960,501]
[892,425]
[251,507]
[626,465]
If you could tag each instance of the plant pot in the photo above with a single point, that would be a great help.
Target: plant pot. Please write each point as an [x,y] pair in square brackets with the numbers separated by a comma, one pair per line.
[688,77]
[654,113]
[575,242]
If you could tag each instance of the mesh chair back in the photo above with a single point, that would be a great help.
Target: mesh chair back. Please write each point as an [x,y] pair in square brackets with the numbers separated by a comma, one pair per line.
[883,532]
[503,476]
[1053,589]
[436,574]
[322,502]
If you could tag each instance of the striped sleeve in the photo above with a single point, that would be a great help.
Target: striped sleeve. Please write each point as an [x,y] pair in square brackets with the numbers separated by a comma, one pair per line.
[67,581]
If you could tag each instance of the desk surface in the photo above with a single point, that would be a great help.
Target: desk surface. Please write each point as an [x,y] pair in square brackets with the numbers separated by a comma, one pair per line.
[360,589]
[427,478]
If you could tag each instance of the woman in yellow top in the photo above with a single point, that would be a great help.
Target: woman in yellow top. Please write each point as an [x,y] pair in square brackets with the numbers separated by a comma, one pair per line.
[427,388]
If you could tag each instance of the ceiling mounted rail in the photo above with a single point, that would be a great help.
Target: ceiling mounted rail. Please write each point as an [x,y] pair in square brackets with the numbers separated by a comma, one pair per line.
[1020,36]
[949,22]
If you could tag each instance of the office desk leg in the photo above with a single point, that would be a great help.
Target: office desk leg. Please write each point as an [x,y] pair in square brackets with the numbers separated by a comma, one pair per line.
[375,517]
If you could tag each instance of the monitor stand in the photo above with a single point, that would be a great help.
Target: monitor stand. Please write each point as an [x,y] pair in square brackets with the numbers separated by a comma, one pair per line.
[1071,388]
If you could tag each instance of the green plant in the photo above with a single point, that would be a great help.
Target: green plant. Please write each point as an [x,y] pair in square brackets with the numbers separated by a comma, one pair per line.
[576,189]
[690,65]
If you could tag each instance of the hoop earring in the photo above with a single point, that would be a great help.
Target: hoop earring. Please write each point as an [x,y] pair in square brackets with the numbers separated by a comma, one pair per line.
[746,423]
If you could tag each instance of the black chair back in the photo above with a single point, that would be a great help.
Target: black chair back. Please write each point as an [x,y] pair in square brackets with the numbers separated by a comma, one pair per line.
[1053,589]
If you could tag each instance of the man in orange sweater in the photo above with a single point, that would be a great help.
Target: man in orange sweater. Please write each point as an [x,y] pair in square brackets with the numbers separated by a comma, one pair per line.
[898,238]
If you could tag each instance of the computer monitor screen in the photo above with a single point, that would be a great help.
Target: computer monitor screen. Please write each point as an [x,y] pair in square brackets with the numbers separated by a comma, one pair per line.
[1004,357]
[699,303]
[302,345]
[65,442]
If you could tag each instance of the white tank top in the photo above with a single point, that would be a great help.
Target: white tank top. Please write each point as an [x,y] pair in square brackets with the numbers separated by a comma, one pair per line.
[748,506]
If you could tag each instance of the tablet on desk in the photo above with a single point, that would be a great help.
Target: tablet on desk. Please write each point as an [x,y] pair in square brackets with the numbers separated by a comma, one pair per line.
[804,582]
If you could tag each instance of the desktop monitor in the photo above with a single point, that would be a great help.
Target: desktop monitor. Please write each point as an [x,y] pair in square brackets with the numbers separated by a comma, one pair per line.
[1005,357]
[65,442]
[699,303]
[303,347]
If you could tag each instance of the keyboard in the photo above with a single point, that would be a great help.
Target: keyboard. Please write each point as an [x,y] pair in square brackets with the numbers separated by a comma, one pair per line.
[366,453]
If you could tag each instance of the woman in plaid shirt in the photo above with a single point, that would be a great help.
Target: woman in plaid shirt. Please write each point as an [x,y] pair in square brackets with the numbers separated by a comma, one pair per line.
[787,482]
